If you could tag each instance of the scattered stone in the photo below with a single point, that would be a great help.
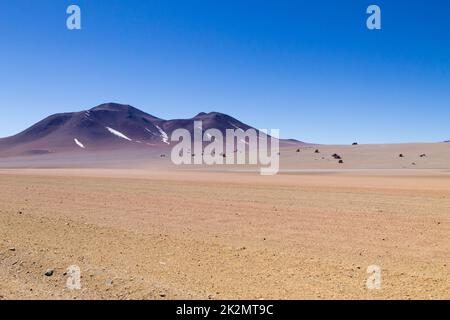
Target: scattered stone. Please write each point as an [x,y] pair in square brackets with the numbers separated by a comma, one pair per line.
[423,155]
[298,150]
[354,143]
[336,156]
[413,163]
[317,151]
[109,282]
[49,272]
[401,155]
[341,161]
[162,295]
[12,249]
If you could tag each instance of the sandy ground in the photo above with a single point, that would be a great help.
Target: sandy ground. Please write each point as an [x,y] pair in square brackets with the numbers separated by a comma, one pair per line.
[142,234]
[374,156]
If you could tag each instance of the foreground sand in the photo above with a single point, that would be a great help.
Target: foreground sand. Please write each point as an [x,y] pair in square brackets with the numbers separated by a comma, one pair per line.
[209,235]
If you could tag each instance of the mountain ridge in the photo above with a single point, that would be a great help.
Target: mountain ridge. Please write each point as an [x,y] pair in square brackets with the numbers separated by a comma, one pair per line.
[108,126]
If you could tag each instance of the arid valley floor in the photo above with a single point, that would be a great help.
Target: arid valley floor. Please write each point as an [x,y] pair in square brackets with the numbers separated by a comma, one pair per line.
[147,234]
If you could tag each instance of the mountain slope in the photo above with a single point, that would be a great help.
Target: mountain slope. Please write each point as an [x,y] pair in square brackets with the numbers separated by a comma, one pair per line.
[108,126]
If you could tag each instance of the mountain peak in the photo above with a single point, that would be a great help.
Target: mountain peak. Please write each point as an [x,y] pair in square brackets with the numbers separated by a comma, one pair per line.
[123,108]
[210,114]
[111,106]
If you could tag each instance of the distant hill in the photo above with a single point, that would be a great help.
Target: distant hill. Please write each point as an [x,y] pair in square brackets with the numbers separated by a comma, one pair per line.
[108,126]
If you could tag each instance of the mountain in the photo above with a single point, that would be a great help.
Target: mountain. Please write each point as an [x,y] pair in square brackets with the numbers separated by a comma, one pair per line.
[108,126]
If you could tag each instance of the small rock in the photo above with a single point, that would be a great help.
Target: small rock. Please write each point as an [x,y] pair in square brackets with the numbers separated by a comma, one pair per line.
[49,272]
[109,282]
[12,249]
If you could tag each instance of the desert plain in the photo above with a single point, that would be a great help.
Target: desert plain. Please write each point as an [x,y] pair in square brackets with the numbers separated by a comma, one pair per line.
[161,232]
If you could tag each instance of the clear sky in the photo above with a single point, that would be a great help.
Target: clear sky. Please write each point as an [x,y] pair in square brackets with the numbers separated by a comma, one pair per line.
[310,68]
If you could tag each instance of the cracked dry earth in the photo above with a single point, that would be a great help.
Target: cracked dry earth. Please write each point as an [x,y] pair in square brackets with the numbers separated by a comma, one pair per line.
[152,235]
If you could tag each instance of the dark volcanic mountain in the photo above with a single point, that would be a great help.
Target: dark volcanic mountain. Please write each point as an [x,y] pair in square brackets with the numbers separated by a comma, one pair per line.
[107,127]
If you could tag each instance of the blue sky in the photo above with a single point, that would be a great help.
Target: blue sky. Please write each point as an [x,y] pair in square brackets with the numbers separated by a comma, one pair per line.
[310,68]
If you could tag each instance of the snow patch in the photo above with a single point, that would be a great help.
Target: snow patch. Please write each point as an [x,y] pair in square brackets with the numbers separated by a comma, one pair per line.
[235,126]
[151,132]
[87,114]
[164,136]
[79,143]
[243,141]
[118,134]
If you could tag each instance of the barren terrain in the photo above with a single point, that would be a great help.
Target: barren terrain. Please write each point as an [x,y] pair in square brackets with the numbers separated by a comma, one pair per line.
[148,234]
